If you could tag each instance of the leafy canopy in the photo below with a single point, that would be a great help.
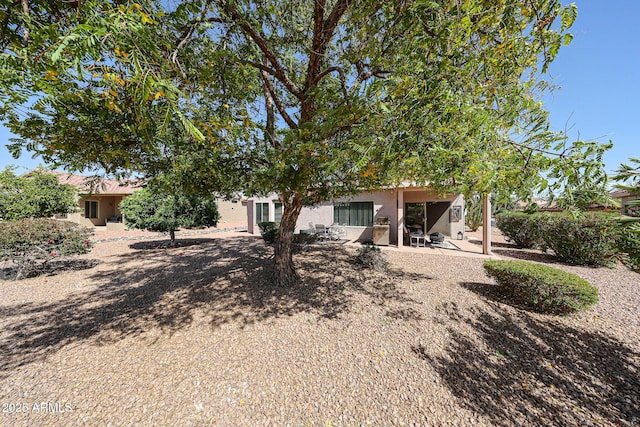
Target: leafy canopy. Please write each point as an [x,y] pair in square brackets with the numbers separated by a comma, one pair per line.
[37,195]
[148,210]
[310,100]
[319,99]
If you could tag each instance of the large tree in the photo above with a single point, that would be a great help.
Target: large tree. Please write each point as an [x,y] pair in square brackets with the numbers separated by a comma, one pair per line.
[311,100]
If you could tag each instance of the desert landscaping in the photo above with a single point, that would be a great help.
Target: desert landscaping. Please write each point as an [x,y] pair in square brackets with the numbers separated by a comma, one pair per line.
[137,334]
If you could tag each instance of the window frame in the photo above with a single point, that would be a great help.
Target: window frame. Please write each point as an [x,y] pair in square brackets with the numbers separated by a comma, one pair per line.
[350,211]
[261,211]
[87,209]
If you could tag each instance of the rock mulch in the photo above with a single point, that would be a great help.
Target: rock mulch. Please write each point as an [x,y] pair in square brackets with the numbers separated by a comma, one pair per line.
[197,335]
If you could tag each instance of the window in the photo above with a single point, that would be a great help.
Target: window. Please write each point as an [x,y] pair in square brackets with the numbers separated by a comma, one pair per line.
[262,212]
[355,214]
[277,208]
[91,209]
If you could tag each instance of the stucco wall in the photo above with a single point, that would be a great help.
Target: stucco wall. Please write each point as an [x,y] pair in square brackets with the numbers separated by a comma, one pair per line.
[231,211]
[108,206]
[385,204]
[250,217]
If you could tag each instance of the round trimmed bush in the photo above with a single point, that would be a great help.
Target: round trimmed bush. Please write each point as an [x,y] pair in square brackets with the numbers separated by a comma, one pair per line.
[542,288]
[269,231]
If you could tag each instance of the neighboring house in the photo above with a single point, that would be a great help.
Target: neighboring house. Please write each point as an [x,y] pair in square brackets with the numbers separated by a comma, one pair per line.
[625,202]
[100,207]
[542,205]
[232,212]
[408,208]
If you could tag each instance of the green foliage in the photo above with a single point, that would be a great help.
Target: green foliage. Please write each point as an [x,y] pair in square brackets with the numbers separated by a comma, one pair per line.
[583,177]
[31,243]
[311,100]
[628,175]
[520,228]
[155,211]
[371,257]
[38,195]
[593,239]
[629,245]
[542,288]
[473,215]
[590,239]
[269,231]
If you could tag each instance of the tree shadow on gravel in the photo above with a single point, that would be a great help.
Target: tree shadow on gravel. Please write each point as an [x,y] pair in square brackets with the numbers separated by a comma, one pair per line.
[497,294]
[225,281]
[166,244]
[516,368]
[52,268]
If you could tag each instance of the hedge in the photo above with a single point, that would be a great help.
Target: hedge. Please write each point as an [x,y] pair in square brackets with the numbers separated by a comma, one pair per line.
[588,240]
[520,228]
[594,239]
[542,288]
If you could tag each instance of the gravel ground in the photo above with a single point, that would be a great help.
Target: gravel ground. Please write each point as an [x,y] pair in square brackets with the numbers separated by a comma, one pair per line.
[195,335]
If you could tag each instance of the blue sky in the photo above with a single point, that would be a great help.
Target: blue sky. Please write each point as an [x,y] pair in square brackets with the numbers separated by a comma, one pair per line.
[598,75]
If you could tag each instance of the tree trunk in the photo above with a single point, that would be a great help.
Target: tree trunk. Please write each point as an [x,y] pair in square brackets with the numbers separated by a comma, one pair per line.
[284,270]
[172,235]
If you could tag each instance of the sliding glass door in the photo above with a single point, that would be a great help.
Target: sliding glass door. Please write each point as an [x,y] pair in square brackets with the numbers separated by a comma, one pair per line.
[414,216]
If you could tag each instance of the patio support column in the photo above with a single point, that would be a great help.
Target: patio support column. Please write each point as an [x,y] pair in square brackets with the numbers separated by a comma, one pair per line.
[400,213]
[486,223]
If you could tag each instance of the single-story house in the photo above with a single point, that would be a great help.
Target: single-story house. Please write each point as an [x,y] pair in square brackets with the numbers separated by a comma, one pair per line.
[542,205]
[626,198]
[100,207]
[408,208]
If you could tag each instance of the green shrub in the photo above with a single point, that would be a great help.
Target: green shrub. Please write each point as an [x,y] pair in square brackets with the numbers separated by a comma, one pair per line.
[38,195]
[473,215]
[629,245]
[369,256]
[591,239]
[155,210]
[542,288]
[520,228]
[269,231]
[31,243]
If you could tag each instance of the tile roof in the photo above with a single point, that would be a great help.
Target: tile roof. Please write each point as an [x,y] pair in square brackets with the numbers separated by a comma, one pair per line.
[83,183]
[617,194]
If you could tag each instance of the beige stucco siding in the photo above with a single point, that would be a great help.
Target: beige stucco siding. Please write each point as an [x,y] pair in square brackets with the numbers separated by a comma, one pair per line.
[231,211]
[388,203]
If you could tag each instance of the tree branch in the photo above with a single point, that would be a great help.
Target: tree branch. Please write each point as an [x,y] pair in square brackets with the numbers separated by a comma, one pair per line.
[343,79]
[365,75]
[25,10]
[280,72]
[274,96]
[261,67]
[322,33]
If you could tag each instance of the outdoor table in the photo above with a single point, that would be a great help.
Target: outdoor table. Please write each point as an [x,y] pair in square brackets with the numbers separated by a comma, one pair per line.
[417,237]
